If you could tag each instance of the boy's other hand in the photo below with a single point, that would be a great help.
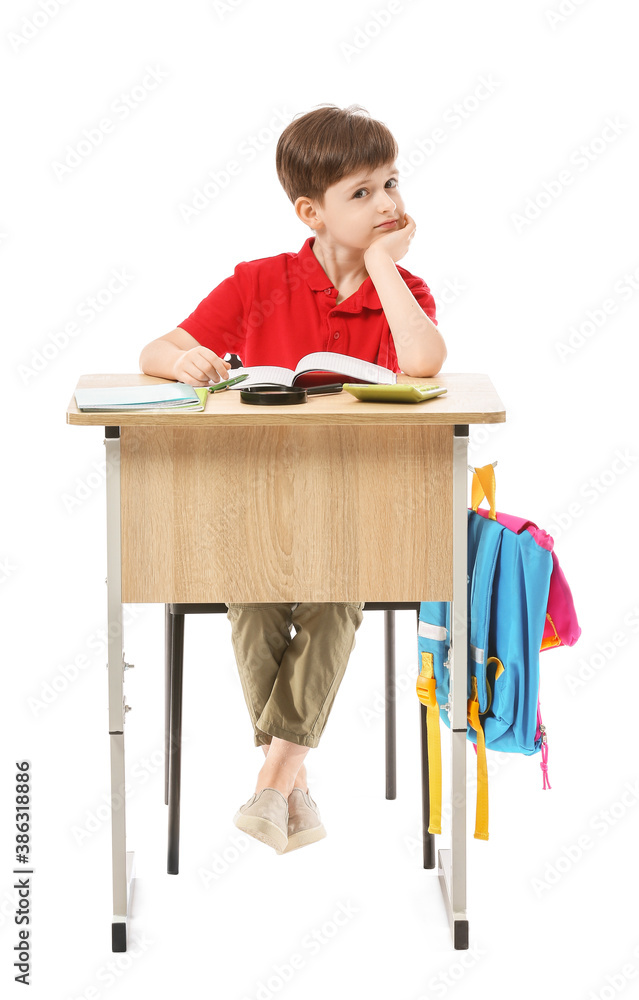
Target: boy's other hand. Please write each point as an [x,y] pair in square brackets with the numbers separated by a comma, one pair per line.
[199,366]
[396,242]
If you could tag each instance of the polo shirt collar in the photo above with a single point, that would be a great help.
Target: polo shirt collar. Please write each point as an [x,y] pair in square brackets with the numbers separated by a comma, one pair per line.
[317,279]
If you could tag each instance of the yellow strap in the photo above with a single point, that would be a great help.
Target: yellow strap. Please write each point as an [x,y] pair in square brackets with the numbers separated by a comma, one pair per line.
[476,493]
[481,812]
[551,640]
[499,669]
[484,486]
[426,694]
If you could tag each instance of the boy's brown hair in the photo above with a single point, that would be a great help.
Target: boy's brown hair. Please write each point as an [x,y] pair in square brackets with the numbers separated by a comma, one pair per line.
[327,144]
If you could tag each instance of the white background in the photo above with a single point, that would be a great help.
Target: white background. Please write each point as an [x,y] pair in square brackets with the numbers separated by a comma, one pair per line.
[526,240]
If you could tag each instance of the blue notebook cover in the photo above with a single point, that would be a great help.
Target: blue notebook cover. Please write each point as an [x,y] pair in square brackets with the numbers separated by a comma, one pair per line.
[139,397]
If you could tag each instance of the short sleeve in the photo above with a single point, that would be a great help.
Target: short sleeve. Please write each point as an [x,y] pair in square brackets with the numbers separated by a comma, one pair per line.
[218,322]
[422,293]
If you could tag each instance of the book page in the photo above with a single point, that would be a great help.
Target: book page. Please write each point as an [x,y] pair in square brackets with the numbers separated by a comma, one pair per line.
[261,373]
[354,368]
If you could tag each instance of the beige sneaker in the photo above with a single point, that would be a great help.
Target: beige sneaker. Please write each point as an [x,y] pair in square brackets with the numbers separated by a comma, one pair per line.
[304,821]
[265,817]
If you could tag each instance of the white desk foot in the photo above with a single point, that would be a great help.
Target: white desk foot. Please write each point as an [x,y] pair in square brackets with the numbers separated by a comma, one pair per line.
[119,925]
[123,860]
[458,921]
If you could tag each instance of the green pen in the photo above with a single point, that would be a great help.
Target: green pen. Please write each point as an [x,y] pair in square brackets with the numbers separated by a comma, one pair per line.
[228,382]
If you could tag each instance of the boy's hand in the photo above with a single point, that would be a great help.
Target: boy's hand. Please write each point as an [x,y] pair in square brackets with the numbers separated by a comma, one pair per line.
[394,243]
[199,366]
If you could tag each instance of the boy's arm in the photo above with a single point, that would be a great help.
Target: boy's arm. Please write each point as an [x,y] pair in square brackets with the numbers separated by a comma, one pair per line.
[178,355]
[419,345]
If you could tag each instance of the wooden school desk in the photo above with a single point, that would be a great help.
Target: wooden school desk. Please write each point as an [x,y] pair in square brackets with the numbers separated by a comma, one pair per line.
[335,499]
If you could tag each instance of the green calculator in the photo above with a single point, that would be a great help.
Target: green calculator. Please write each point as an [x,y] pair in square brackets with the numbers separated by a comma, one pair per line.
[398,393]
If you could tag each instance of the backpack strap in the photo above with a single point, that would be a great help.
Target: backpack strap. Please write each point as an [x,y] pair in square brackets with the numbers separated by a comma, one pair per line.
[551,635]
[484,486]
[426,693]
[481,810]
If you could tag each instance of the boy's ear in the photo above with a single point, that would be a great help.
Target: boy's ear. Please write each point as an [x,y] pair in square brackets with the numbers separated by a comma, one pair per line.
[307,212]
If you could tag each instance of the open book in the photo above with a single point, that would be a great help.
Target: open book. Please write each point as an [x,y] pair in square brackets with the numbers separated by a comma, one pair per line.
[321,368]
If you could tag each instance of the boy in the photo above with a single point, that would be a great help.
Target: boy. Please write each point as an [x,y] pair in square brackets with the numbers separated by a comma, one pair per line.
[344,293]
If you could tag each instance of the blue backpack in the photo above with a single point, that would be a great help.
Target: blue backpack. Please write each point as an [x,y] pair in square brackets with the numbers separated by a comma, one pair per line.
[510,568]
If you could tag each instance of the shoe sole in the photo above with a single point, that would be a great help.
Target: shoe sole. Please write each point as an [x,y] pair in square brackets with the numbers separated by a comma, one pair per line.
[303,838]
[263,830]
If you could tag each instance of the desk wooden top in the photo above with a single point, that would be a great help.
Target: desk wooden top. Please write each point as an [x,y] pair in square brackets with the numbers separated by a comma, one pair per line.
[471,399]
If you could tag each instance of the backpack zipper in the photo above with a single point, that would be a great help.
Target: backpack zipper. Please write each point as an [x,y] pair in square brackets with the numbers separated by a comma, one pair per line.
[541,732]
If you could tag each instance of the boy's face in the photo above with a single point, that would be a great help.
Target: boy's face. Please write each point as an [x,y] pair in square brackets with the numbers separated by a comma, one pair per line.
[356,206]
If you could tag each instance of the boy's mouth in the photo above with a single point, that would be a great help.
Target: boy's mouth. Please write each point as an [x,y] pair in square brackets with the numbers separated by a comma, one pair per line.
[387,225]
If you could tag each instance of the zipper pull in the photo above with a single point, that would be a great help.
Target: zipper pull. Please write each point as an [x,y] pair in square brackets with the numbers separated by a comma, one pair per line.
[544,757]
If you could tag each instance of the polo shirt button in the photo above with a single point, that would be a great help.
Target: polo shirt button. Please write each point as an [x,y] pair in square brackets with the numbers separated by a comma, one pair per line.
[327,291]
[336,335]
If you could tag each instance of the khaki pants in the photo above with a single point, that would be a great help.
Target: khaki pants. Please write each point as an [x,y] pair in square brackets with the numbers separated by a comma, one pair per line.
[290,682]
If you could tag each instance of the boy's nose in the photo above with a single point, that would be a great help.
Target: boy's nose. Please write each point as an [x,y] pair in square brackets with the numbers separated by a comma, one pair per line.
[385,201]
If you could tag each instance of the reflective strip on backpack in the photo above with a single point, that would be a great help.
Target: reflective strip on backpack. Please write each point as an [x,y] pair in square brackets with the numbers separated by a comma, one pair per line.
[477,654]
[437,632]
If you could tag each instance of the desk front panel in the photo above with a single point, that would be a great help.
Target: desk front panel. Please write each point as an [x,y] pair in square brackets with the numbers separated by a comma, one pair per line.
[286,513]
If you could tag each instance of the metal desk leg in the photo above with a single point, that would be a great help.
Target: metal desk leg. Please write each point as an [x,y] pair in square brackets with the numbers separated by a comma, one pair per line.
[168,643]
[122,861]
[452,863]
[390,697]
[175,744]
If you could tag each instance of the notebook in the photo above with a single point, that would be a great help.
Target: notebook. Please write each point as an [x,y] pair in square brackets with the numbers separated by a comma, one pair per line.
[164,396]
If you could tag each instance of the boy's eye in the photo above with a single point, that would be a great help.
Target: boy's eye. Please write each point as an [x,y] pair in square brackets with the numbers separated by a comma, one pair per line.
[391,180]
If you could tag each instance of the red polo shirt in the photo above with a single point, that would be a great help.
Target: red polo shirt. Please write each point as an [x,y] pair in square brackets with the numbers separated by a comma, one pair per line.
[274,310]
